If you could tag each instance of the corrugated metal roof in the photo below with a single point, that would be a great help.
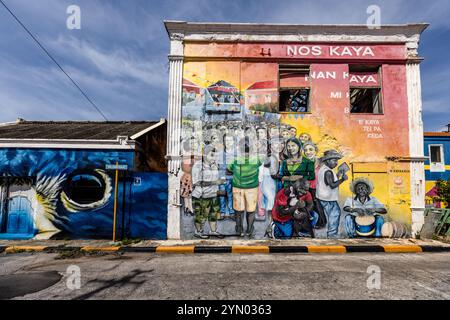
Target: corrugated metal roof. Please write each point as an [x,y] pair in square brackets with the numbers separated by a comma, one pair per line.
[83,130]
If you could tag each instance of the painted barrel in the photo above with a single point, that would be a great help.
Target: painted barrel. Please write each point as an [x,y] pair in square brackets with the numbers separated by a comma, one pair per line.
[394,229]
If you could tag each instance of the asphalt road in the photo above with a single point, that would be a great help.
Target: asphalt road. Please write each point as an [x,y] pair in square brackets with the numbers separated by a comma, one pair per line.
[227,276]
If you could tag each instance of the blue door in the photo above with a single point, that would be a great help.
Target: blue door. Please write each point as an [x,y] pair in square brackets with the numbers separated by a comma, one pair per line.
[19,219]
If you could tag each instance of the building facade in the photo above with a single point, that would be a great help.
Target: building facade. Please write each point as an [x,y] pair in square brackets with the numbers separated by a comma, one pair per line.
[272,128]
[56,180]
[437,165]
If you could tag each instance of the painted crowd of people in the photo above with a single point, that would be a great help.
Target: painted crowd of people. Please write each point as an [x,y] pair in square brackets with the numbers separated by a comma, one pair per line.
[262,172]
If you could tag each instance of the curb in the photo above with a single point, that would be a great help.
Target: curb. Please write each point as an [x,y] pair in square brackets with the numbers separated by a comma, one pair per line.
[19,249]
[175,249]
[242,249]
[327,249]
[402,248]
[99,249]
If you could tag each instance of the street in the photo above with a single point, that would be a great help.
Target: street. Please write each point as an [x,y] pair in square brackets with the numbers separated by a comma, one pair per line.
[225,276]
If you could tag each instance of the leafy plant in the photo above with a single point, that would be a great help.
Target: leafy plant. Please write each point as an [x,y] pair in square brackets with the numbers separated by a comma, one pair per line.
[126,242]
[443,191]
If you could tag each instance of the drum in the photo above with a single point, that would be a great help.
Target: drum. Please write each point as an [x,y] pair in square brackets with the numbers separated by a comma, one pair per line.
[387,230]
[401,230]
[394,229]
[365,225]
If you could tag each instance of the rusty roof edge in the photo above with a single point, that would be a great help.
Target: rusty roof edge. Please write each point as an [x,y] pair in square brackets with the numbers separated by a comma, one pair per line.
[184,27]
[436,134]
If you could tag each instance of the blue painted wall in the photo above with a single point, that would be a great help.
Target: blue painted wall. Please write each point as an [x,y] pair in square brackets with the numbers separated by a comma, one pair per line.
[445,141]
[142,213]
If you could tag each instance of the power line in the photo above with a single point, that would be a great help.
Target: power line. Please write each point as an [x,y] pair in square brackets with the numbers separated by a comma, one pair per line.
[56,62]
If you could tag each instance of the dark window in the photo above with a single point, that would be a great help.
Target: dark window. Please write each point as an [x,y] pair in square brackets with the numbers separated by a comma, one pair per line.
[86,188]
[363,68]
[435,154]
[365,100]
[365,89]
[294,88]
[294,100]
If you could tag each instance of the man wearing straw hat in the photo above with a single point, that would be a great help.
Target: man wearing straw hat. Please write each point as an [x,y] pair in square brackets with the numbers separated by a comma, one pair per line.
[327,190]
[363,208]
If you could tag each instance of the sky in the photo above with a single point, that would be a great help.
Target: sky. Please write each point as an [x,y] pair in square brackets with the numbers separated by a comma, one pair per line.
[119,56]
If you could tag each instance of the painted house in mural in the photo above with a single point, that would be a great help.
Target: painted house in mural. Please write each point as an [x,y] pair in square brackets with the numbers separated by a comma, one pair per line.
[191,92]
[437,165]
[221,98]
[55,181]
[262,96]
[301,131]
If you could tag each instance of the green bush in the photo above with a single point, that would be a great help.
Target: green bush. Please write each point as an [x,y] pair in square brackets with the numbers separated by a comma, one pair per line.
[443,191]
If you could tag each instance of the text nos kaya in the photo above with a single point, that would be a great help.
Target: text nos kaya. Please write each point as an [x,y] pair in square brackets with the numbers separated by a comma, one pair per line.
[333,51]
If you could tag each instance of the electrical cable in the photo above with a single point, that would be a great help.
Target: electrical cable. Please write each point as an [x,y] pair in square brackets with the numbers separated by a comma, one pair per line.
[54,60]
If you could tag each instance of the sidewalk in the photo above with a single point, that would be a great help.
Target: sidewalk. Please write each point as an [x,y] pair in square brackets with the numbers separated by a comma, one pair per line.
[231,246]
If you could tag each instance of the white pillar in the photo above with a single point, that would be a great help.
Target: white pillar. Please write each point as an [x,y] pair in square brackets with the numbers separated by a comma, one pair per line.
[416,144]
[174,136]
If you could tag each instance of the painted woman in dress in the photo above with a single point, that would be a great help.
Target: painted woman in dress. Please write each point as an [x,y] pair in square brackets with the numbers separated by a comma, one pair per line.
[295,166]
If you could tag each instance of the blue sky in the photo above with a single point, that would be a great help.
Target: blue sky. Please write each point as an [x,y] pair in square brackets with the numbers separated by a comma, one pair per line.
[119,57]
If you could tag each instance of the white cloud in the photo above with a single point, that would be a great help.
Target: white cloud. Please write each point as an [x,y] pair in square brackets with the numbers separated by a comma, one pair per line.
[120,63]
[45,93]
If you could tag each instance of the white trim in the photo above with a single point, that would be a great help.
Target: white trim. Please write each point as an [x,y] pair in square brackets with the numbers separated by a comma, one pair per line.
[121,143]
[11,123]
[416,145]
[139,134]
[196,31]
[174,134]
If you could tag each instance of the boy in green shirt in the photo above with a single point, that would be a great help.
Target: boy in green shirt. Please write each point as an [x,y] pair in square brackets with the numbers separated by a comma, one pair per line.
[245,171]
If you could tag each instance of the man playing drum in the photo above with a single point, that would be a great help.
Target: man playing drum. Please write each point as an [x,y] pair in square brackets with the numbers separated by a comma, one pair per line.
[364,218]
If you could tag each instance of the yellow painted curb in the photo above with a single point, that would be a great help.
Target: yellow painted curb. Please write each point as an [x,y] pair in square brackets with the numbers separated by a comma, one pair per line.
[94,249]
[327,249]
[25,248]
[249,249]
[402,248]
[175,249]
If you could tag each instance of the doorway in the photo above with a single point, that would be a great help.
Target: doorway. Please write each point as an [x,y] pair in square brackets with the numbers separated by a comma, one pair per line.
[17,212]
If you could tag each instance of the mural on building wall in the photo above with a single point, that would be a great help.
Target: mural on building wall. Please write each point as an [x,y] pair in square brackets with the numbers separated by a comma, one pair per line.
[67,193]
[437,168]
[256,169]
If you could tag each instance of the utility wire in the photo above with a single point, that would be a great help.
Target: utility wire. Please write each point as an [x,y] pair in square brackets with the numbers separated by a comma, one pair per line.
[56,62]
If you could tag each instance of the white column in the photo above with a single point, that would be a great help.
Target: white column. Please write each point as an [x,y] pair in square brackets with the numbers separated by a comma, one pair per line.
[174,135]
[416,144]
